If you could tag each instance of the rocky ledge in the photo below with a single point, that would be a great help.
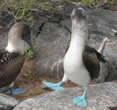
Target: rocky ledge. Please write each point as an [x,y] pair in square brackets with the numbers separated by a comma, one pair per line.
[7,102]
[99,97]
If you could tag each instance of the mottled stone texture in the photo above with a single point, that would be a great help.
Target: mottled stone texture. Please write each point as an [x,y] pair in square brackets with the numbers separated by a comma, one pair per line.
[7,102]
[99,97]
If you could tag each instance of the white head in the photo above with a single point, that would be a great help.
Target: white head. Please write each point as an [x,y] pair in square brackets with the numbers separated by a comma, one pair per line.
[18,37]
[79,22]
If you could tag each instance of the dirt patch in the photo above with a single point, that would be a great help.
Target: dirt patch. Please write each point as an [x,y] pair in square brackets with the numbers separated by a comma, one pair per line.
[33,86]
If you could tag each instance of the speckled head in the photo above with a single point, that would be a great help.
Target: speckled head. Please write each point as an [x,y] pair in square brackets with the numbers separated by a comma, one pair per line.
[17,36]
[78,17]
[79,23]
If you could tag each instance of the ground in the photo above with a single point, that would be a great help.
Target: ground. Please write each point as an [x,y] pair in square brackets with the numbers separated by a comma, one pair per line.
[33,86]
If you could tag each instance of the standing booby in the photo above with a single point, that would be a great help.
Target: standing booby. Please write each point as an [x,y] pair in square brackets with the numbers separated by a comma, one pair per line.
[12,57]
[81,62]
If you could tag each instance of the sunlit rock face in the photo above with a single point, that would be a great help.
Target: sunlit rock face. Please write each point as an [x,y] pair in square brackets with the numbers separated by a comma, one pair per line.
[7,102]
[99,97]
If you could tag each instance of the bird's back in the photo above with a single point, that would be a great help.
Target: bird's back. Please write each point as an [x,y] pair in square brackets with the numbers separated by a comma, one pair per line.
[10,66]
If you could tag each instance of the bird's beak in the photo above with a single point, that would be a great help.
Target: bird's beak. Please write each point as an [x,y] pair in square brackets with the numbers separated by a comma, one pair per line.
[28,41]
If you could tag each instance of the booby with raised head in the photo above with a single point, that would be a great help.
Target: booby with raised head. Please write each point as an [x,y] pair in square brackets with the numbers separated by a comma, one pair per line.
[81,62]
[12,57]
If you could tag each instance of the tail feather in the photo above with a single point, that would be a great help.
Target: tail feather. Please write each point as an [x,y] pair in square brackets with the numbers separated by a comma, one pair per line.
[102,46]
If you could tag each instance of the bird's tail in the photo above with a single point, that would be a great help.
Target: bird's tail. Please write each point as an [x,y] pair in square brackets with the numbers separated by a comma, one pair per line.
[102,46]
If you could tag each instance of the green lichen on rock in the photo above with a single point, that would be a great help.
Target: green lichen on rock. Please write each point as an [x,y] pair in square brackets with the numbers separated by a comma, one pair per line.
[112,3]
[22,9]
[50,6]
[89,2]
[27,9]
[28,54]
[45,6]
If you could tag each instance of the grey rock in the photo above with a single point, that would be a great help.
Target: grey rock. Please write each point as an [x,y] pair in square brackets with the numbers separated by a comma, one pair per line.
[104,71]
[99,97]
[50,45]
[7,102]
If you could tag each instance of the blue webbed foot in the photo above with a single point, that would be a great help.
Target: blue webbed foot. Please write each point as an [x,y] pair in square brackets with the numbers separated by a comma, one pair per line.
[54,86]
[15,91]
[80,100]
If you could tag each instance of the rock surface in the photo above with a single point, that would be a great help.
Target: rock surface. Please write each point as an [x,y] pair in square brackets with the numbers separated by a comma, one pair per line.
[99,97]
[7,102]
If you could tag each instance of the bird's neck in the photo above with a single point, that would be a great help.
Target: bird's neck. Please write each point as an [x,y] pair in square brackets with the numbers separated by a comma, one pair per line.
[76,49]
[15,47]
[77,43]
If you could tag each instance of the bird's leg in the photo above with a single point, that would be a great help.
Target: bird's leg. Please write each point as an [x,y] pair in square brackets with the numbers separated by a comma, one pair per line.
[102,46]
[14,91]
[80,100]
[56,86]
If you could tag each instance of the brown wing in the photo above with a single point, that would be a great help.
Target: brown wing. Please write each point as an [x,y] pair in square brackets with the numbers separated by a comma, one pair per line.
[10,69]
[92,60]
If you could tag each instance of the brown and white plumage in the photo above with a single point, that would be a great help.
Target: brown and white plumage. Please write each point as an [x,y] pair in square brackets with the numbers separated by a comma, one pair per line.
[92,59]
[10,66]
[12,57]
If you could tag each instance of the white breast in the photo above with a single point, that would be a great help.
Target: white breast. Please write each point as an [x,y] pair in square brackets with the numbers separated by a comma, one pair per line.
[73,63]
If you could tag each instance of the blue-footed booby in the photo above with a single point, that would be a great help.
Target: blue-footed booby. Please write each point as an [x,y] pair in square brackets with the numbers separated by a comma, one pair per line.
[81,62]
[12,57]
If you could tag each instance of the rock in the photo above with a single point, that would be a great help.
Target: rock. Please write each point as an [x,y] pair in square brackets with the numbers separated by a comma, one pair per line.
[99,97]
[50,45]
[104,70]
[7,102]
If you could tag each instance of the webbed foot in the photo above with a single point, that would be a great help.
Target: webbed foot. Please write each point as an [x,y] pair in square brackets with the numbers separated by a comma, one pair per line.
[54,86]
[80,100]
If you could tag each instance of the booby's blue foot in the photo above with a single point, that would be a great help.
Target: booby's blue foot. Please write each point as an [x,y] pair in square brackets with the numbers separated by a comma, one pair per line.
[15,91]
[80,100]
[54,86]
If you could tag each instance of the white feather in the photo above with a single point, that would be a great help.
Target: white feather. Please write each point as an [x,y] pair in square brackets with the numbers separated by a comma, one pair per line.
[74,68]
